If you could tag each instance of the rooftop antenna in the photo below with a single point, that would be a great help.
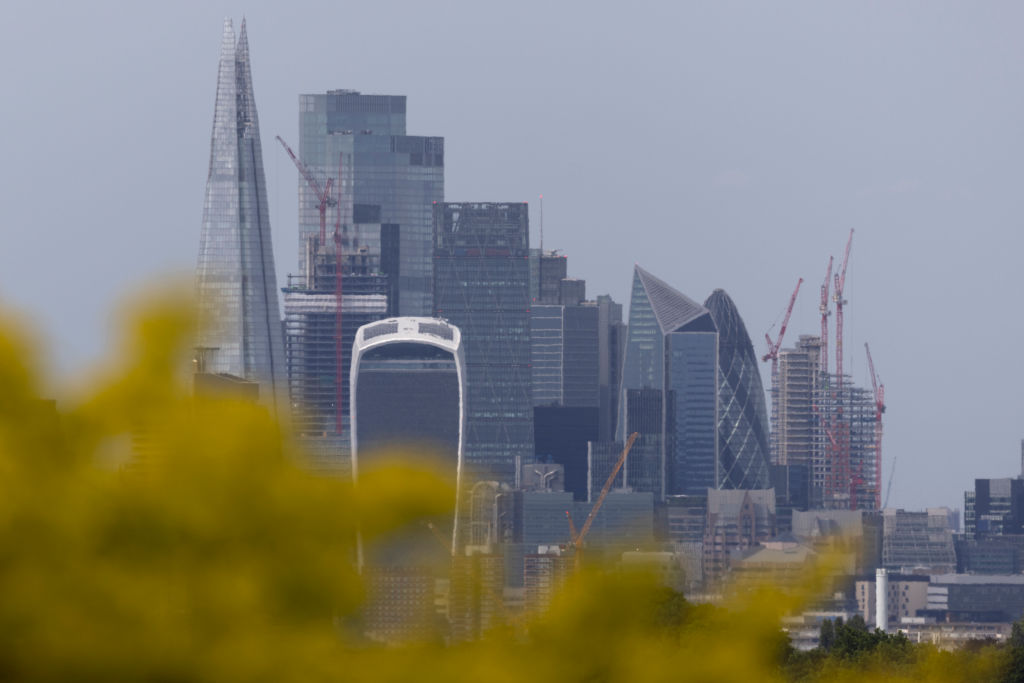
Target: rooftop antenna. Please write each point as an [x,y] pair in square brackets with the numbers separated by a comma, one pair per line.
[542,225]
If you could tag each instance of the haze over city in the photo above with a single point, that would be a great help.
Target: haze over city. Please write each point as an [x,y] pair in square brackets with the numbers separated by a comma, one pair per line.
[725,145]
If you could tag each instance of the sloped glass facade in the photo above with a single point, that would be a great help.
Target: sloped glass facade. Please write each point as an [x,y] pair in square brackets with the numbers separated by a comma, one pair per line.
[240,331]
[742,413]
[671,348]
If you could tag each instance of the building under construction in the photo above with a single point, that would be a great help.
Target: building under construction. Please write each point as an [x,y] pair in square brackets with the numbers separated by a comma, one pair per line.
[319,333]
[823,433]
[826,432]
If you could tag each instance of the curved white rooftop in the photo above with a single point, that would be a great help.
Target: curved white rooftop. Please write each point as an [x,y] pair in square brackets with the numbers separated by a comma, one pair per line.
[433,331]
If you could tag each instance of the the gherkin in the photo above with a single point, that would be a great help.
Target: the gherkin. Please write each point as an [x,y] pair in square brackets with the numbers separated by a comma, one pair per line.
[742,416]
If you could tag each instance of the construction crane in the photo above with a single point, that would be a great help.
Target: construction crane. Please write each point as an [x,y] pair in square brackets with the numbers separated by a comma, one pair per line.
[841,461]
[773,347]
[879,394]
[578,538]
[339,278]
[837,297]
[823,308]
[323,195]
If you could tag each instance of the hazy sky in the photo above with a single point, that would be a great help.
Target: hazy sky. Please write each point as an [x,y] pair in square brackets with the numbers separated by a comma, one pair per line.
[717,144]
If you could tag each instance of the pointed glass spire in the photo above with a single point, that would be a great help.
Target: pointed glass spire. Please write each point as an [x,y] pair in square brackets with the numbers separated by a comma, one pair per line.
[240,332]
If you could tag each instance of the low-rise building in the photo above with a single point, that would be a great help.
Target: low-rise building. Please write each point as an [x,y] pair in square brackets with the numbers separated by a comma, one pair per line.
[907,594]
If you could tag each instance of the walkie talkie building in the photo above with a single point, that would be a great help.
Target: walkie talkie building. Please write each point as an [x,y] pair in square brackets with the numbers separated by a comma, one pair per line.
[407,384]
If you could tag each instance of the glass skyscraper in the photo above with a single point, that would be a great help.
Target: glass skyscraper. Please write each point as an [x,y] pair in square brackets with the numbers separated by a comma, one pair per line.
[742,414]
[482,286]
[381,175]
[672,350]
[240,324]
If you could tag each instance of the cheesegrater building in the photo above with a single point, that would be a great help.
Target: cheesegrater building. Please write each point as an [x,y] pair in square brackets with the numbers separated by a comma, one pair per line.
[240,326]
[670,390]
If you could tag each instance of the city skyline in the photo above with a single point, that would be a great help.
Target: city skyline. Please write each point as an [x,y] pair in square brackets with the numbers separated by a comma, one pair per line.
[929,163]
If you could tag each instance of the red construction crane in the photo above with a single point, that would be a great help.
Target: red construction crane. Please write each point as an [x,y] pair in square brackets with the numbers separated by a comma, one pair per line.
[823,308]
[339,277]
[841,460]
[837,297]
[879,393]
[323,195]
[773,347]
[577,539]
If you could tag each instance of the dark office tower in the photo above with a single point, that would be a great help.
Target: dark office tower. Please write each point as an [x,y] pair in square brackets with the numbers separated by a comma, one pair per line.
[691,415]
[644,468]
[384,175]
[240,331]
[481,284]
[611,344]
[742,415]
[574,361]
[672,348]
[547,269]
[996,508]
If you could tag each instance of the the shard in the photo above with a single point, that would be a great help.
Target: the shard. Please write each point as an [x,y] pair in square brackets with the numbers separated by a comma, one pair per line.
[742,416]
[240,325]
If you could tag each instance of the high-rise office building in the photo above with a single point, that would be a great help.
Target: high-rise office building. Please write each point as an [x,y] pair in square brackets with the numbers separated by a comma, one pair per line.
[407,386]
[742,415]
[672,348]
[565,359]
[383,176]
[240,328]
[482,286]
[823,439]
[407,382]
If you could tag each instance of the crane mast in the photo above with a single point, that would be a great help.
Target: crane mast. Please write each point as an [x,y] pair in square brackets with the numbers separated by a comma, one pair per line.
[879,395]
[837,297]
[339,330]
[844,479]
[823,309]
